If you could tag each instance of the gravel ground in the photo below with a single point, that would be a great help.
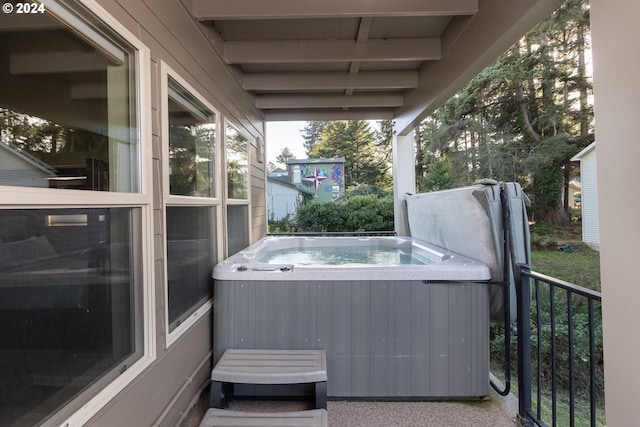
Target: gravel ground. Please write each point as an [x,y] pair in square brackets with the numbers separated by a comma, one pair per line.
[495,411]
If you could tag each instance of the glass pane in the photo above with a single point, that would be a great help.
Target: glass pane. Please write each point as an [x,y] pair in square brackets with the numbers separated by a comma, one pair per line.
[237,164]
[67,105]
[192,143]
[68,307]
[237,228]
[190,259]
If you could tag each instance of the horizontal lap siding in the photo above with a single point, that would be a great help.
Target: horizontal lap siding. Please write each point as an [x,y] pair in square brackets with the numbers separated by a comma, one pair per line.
[258,199]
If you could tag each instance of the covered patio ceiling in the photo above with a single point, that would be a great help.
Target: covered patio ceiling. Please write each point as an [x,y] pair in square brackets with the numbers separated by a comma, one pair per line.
[361,59]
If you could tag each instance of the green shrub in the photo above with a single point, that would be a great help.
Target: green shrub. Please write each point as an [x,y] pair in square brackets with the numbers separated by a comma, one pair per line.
[366,190]
[369,213]
[366,213]
[317,216]
[283,225]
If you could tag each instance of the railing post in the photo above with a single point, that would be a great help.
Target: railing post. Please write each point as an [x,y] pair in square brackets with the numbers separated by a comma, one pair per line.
[523,296]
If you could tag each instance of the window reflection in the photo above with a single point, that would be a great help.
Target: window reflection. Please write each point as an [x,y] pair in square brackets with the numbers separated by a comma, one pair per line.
[190,258]
[237,164]
[237,228]
[67,107]
[192,142]
[67,304]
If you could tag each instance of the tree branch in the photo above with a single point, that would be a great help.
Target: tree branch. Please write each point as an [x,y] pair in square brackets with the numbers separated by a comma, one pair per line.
[525,114]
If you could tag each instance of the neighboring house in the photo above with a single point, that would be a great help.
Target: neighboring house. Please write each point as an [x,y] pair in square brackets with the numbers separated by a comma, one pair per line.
[589,196]
[575,191]
[279,174]
[22,169]
[324,177]
[282,198]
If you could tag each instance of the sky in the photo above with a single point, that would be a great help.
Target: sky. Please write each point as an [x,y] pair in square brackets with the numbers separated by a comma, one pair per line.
[288,134]
[284,134]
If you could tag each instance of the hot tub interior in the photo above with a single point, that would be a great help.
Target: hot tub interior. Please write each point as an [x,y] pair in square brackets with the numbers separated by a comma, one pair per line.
[348,258]
[350,251]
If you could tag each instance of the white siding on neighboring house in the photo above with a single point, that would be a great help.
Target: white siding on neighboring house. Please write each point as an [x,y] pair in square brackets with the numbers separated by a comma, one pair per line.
[19,169]
[283,199]
[589,178]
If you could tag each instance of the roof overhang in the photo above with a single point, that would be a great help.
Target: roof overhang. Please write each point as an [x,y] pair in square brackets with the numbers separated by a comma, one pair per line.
[374,59]
[588,149]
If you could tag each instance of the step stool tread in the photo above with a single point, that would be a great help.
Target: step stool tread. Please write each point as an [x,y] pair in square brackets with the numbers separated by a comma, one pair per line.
[250,366]
[229,418]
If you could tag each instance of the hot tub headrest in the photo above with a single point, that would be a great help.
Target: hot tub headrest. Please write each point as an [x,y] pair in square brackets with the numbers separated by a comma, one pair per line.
[469,221]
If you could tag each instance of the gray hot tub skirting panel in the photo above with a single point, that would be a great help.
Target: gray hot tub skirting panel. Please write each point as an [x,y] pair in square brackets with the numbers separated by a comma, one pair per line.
[383,339]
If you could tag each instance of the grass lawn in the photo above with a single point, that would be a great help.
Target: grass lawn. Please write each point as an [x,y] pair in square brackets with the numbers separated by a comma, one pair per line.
[560,253]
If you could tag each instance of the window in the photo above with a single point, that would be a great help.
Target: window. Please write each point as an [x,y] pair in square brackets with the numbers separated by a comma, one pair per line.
[237,228]
[237,190]
[192,143]
[75,219]
[191,214]
[237,164]
[69,306]
[67,109]
[190,257]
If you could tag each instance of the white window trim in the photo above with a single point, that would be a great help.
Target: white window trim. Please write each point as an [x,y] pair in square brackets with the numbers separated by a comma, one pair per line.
[21,197]
[173,200]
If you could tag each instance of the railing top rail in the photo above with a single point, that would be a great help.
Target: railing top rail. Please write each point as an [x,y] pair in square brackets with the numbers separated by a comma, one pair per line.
[334,233]
[589,293]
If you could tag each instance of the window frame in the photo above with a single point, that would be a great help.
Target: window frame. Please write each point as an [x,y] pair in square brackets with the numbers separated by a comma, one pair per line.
[46,198]
[236,202]
[171,200]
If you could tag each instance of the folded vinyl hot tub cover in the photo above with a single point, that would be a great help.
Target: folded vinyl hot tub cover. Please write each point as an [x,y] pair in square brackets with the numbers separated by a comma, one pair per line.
[469,221]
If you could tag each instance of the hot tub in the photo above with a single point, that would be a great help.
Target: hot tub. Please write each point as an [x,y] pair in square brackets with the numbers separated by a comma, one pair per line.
[397,317]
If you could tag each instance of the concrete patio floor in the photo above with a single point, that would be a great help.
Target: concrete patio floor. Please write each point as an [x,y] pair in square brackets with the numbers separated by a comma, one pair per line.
[495,411]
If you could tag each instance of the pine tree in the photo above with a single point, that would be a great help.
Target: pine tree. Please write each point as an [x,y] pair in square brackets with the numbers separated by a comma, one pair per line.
[312,134]
[285,155]
[523,117]
[354,140]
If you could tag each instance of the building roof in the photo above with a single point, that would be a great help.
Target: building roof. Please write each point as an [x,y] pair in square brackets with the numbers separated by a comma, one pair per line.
[285,183]
[29,158]
[584,152]
[278,171]
[315,161]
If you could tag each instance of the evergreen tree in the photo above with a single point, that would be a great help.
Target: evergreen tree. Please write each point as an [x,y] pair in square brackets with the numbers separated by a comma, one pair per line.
[285,155]
[523,117]
[312,134]
[354,140]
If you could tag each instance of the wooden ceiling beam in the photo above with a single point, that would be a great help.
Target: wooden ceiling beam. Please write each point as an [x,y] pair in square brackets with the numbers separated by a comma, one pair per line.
[328,114]
[205,10]
[297,51]
[365,80]
[328,101]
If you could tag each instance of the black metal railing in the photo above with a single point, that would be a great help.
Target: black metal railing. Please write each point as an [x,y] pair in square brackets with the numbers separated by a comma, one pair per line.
[332,233]
[559,362]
